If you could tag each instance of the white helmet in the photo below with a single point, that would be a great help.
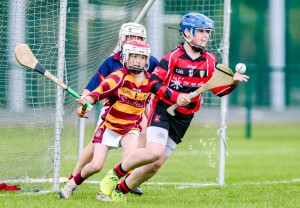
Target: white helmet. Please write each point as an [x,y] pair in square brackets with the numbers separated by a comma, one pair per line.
[129,29]
[136,47]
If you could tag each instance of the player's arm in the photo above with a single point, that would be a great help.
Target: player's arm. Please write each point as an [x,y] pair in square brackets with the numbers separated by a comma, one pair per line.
[225,90]
[104,90]
[153,63]
[92,85]
[94,82]
[110,84]
[102,72]
[156,82]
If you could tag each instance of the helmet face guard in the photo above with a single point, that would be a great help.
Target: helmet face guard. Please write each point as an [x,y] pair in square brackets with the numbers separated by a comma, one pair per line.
[136,47]
[193,22]
[131,29]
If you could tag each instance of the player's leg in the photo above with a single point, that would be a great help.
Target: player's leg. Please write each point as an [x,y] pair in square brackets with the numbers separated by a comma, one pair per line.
[84,158]
[138,176]
[96,164]
[163,135]
[87,153]
[153,152]
[143,173]
[129,143]
[141,143]
[142,156]
[143,134]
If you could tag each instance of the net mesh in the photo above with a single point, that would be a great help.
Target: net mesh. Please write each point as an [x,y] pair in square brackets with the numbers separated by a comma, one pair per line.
[28,100]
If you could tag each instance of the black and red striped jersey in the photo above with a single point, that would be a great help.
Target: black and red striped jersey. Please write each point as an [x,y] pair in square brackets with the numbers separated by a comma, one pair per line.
[178,73]
[126,100]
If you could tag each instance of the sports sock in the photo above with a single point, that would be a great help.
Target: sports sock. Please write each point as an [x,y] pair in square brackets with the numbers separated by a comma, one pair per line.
[79,179]
[123,187]
[71,176]
[119,171]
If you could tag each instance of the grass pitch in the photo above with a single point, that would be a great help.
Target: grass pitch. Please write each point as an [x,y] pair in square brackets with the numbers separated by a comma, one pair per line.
[260,172]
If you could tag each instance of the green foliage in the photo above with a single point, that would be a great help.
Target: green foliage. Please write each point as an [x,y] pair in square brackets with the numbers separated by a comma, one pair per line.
[259,173]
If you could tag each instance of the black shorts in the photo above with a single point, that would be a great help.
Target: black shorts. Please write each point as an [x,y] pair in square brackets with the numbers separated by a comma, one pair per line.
[176,125]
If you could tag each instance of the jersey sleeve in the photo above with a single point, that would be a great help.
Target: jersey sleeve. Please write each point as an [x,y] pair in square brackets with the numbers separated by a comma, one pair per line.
[108,86]
[156,82]
[224,90]
[153,63]
[103,71]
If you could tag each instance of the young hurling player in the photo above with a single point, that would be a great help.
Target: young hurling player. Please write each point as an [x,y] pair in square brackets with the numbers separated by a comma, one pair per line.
[180,72]
[127,96]
[128,31]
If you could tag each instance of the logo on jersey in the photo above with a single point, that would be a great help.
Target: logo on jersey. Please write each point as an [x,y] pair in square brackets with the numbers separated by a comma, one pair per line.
[191,72]
[157,118]
[179,71]
[126,92]
[176,83]
[202,73]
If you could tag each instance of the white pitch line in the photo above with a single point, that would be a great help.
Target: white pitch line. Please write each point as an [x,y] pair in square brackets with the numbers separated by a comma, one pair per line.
[264,151]
[187,185]
[179,185]
[168,183]
[295,180]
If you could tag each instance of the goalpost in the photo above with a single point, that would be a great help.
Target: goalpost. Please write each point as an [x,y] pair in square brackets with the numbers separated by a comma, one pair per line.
[71,38]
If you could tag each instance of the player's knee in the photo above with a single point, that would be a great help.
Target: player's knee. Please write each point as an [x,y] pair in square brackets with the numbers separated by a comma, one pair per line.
[154,167]
[95,168]
[155,155]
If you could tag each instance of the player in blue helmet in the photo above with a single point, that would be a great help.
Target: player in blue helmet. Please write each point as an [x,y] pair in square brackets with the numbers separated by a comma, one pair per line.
[128,31]
[193,22]
[180,72]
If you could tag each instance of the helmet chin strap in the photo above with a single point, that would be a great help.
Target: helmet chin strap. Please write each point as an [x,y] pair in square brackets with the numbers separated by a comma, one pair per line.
[195,48]
[135,70]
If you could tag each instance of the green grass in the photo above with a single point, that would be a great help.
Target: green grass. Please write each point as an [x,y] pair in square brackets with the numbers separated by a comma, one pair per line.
[259,173]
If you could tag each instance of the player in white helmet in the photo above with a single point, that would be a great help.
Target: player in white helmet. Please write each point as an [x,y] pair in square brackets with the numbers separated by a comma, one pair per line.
[131,31]
[120,126]
[128,31]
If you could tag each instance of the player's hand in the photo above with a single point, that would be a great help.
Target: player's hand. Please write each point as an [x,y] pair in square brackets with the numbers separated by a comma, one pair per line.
[82,112]
[183,99]
[82,100]
[240,77]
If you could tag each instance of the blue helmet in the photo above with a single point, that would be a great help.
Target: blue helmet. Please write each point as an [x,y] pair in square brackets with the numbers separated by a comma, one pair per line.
[193,21]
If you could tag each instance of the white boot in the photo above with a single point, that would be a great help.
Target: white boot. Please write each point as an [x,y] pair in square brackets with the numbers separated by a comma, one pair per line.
[67,191]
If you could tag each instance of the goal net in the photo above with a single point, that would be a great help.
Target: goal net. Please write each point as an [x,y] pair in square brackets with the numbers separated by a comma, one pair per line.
[71,39]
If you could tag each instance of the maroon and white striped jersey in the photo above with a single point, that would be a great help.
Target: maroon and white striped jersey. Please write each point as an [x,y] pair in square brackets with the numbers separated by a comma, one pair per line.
[126,100]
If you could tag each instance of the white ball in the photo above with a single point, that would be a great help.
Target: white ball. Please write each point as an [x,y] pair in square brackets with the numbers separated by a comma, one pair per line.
[240,68]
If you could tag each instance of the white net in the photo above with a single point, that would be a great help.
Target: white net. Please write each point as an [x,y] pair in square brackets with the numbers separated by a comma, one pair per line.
[28,100]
